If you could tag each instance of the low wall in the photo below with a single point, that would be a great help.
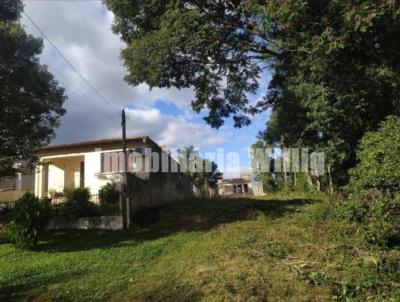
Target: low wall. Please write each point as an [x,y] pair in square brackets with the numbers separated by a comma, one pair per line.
[113,223]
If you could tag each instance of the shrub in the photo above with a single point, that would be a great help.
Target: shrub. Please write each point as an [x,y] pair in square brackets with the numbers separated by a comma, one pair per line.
[378,215]
[77,204]
[31,216]
[109,194]
[379,159]
[108,209]
[374,187]
[78,195]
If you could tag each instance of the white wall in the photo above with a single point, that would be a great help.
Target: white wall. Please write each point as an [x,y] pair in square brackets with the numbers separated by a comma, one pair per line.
[94,179]
[56,178]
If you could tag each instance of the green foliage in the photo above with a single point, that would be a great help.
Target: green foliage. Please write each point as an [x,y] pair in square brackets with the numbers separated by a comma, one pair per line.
[379,159]
[202,172]
[109,193]
[77,204]
[196,44]
[281,251]
[78,195]
[221,251]
[376,214]
[373,201]
[30,98]
[31,216]
[334,64]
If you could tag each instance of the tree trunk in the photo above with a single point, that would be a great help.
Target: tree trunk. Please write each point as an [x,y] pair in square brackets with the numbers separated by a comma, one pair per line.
[330,179]
[295,180]
[284,167]
[309,182]
[317,180]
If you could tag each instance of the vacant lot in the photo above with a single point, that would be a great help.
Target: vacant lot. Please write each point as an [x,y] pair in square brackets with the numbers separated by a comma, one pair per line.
[278,249]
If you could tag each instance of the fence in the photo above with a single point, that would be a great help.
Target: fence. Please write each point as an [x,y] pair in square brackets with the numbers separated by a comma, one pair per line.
[10,204]
[59,200]
[8,183]
[54,201]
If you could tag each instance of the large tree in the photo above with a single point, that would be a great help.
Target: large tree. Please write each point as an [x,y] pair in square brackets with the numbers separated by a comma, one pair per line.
[203,173]
[31,100]
[335,66]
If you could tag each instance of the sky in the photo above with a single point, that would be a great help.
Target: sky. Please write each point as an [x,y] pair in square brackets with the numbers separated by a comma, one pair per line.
[81,30]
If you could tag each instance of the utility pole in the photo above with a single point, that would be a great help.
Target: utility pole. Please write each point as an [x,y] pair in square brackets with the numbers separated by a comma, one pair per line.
[125,195]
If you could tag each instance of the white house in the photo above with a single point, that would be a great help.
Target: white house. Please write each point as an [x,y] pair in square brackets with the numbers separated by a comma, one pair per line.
[93,164]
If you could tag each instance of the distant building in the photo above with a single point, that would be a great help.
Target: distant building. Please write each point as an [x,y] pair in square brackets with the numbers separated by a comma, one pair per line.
[242,186]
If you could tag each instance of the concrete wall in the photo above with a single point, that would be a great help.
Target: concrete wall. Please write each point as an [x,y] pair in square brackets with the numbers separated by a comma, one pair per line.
[25,182]
[159,189]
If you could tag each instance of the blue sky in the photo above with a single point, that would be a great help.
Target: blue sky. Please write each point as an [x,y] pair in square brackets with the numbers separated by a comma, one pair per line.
[81,30]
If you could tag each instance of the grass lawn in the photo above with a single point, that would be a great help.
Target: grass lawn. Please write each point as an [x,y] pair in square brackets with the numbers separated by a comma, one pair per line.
[276,249]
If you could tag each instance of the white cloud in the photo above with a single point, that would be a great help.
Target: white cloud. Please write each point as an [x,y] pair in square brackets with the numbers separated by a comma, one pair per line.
[171,131]
[82,31]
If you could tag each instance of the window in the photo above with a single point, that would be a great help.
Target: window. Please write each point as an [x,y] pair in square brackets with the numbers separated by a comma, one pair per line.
[114,162]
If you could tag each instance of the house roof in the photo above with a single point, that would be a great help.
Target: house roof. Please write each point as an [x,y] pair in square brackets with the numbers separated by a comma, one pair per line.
[95,143]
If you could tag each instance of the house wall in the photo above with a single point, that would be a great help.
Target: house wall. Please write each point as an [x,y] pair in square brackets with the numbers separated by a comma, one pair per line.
[62,173]
[56,178]
[64,162]
[94,179]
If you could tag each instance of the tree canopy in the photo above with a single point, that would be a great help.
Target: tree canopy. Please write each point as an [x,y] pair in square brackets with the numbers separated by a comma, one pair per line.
[334,64]
[31,100]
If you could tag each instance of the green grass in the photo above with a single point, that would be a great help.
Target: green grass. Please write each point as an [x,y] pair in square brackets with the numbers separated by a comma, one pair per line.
[276,249]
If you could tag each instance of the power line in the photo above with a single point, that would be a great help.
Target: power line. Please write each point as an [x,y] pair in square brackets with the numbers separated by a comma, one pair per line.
[70,64]
[81,96]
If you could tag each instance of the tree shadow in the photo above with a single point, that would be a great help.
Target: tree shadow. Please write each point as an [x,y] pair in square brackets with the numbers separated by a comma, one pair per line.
[150,224]
[19,286]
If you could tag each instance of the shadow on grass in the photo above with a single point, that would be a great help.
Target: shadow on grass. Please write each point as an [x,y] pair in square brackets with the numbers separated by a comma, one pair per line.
[20,286]
[193,215]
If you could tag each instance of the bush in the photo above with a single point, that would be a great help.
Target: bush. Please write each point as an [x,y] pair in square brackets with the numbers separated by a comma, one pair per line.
[378,215]
[374,187]
[78,195]
[109,194]
[31,216]
[77,204]
[379,160]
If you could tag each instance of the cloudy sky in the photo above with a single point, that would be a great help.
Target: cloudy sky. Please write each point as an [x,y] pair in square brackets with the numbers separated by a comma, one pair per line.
[81,30]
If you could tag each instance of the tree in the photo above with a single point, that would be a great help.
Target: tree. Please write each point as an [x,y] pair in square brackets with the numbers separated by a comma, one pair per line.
[335,63]
[203,172]
[31,100]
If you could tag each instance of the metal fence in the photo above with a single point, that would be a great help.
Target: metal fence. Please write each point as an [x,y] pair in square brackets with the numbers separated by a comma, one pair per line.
[8,183]
[54,201]
[62,199]
[10,204]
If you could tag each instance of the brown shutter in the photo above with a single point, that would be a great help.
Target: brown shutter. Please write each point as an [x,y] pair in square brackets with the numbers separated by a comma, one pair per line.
[106,162]
[130,161]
